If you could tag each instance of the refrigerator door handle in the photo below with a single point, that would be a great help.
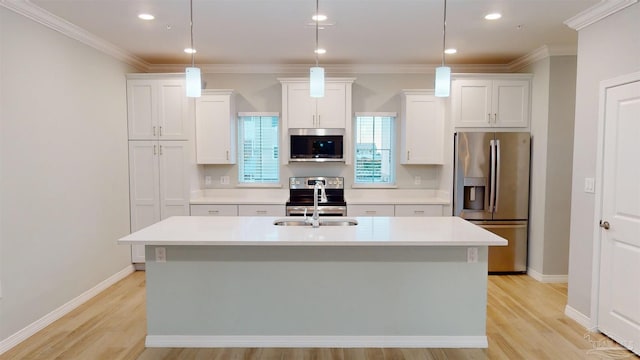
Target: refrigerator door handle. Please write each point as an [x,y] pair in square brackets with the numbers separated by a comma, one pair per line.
[497,178]
[492,164]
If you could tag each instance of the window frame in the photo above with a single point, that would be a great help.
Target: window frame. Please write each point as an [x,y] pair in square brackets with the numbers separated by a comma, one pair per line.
[392,148]
[240,136]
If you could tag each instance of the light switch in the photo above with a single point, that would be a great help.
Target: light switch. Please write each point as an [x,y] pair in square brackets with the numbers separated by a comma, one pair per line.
[589,185]
[224,180]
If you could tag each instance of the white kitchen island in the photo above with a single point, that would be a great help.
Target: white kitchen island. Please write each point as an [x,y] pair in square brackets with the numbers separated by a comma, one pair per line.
[386,282]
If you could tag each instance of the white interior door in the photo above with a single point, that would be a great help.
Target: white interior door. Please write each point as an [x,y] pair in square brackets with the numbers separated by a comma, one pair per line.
[619,287]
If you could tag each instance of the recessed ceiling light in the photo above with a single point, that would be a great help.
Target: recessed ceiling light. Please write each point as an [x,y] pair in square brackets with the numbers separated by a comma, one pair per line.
[146,16]
[450,51]
[319,17]
[190,51]
[320,51]
[493,16]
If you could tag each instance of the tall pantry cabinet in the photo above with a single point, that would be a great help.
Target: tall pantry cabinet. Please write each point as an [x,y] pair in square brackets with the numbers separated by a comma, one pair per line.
[159,150]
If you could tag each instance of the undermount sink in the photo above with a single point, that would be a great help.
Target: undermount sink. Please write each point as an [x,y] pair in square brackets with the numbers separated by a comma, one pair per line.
[323,222]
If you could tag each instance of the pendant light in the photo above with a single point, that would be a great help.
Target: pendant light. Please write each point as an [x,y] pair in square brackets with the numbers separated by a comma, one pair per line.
[443,73]
[193,79]
[316,74]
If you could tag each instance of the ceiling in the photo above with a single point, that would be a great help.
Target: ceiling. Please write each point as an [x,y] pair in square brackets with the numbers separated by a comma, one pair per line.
[391,32]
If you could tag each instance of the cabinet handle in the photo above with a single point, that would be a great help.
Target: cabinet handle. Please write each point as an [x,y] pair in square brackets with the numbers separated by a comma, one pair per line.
[489,118]
[153,130]
[155,150]
[214,212]
[261,212]
[227,154]
[495,118]
[318,120]
[408,154]
[160,130]
[370,212]
[160,149]
[418,212]
[314,120]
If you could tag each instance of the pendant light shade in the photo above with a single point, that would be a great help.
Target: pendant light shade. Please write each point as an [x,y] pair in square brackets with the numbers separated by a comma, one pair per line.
[194,82]
[193,78]
[316,78]
[443,73]
[443,81]
[316,73]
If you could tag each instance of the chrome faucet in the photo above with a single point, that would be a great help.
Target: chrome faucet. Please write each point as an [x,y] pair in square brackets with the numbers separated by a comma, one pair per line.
[315,218]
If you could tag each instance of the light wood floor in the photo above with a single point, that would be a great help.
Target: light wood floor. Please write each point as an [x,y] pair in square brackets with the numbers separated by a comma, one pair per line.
[525,321]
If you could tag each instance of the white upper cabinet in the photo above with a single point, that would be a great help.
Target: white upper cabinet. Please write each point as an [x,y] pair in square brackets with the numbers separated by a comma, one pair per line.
[302,111]
[491,101]
[216,127]
[422,128]
[157,109]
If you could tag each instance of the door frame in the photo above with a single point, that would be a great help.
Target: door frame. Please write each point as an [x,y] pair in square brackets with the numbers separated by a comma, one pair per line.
[597,239]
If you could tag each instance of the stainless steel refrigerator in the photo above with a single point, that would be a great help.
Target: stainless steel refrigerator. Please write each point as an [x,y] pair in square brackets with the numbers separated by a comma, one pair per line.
[491,189]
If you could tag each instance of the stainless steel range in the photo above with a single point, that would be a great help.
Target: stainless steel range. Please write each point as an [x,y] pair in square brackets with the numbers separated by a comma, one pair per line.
[301,196]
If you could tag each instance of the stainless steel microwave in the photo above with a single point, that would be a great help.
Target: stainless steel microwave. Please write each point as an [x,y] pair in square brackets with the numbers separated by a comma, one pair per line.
[316,145]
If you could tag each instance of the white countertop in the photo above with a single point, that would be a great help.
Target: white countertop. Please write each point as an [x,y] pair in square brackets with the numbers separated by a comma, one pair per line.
[352,196]
[260,231]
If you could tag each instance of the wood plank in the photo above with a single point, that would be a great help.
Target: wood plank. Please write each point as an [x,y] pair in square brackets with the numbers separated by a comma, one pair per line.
[525,320]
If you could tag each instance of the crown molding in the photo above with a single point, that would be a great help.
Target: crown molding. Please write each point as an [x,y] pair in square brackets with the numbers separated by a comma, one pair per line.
[597,13]
[540,53]
[334,69]
[41,16]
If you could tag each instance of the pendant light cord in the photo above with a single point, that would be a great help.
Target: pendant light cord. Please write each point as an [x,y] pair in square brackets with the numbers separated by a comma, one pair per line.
[444,31]
[193,51]
[317,21]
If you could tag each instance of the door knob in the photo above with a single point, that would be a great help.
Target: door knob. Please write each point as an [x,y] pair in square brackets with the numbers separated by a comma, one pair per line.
[605,225]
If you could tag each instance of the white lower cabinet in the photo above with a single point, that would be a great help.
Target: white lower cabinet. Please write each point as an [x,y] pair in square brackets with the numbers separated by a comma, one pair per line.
[214,210]
[158,184]
[418,210]
[370,210]
[261,210]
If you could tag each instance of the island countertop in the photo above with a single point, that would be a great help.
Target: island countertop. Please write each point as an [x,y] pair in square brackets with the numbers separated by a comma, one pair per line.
[260,231]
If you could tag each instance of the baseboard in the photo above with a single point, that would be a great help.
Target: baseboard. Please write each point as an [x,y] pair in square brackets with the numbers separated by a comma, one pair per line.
[547,278]
[578,317]
[166,341]
[31,329]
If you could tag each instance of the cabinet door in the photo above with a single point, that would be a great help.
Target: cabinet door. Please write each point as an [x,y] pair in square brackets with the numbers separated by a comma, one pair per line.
[141,110]
[510,102]
[261,210]
[172,110]
[418,210]
[422,130]
[144,193]
[370,210]
[215,130]
[331,109]
[174,178]
[214,210]
[472,103]
[301,107]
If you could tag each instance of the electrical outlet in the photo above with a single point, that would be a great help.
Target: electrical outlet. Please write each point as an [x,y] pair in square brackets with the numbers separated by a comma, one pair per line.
[417,180]
[161,254]
[589,185]
[472,255]
[207,180]
[224,180]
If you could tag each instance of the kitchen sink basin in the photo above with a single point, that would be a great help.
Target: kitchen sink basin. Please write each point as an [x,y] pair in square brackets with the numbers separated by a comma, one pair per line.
[323,222]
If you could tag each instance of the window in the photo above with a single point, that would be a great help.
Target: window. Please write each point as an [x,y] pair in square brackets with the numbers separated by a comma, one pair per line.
[374,148]
[258,154]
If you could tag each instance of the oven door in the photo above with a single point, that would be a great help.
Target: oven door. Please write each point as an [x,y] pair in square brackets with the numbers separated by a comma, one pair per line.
[322,210]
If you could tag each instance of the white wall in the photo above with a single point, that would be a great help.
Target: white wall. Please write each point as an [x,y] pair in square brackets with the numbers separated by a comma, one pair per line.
[64,183]
[606,49]
[371,92]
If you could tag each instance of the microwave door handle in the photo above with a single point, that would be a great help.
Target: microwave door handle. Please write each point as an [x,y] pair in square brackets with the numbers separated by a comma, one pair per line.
[497,181]
[492,174]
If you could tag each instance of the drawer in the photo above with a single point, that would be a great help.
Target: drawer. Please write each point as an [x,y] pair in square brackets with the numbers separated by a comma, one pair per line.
[418,210]
[261,210]
[214,210]
[370,210]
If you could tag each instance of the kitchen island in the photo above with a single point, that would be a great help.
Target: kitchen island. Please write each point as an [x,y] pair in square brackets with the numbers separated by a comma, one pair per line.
[386,282]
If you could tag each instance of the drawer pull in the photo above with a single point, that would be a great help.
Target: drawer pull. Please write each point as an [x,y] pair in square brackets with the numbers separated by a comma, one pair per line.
[370,212]
[261,212]
[418,211]
[214,211]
